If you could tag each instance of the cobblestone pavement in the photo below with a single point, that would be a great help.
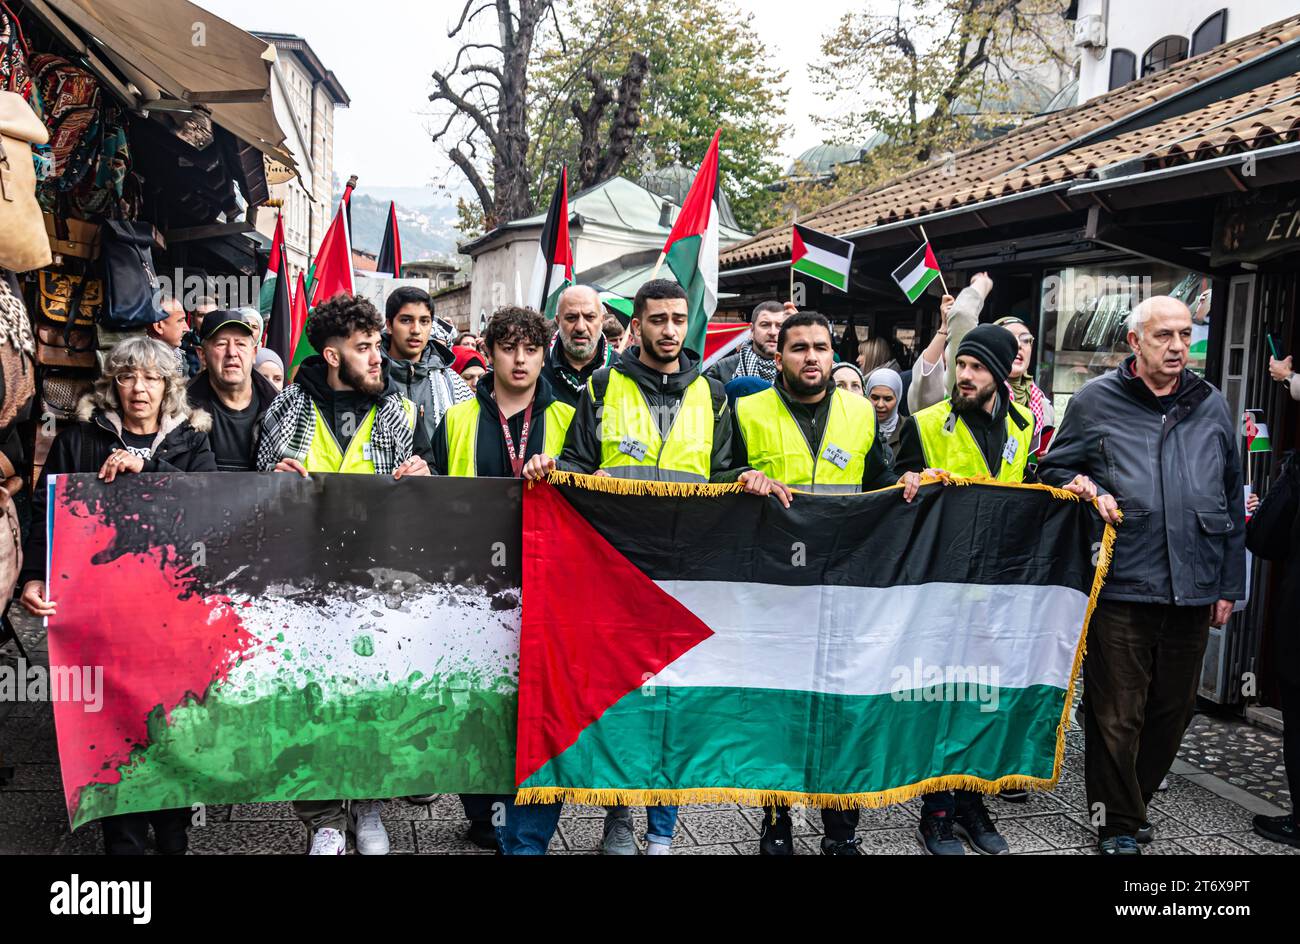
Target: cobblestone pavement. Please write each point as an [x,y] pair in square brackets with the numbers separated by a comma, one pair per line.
[1227,773]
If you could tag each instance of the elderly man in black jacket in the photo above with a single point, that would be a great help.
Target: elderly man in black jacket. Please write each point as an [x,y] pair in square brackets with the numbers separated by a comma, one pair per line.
[1161,445]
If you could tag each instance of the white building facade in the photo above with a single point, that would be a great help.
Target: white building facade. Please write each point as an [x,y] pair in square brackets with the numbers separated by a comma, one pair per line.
[1121,40]
[304,94]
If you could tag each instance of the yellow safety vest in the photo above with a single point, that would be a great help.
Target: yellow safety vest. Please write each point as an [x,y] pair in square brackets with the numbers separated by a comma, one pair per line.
[462,434]
[324,454]
[948,444]
[630,444]
[777,446]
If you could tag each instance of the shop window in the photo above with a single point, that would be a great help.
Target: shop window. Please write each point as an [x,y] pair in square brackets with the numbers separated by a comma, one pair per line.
[1211,33]
[1085,311]
[1123,67]
[1164,53]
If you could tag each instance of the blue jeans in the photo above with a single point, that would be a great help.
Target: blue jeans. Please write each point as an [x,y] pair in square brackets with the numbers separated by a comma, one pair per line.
[528,827]
[660,822]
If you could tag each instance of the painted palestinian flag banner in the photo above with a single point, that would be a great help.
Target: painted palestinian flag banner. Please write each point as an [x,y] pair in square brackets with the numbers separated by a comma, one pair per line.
[849,651]
[692,248]
[825,257]
[553,268]
[916,274]
[268,637]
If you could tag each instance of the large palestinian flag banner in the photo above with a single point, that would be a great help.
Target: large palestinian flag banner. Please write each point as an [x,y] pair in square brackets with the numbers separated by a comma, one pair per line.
[270,637]
[849,651]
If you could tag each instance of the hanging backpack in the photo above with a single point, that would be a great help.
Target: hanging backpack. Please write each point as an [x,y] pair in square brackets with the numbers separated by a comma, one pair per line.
[130,284]
[71,97]
[14,74]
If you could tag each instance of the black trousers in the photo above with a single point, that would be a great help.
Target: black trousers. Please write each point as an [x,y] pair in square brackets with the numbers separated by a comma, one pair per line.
[128,834]
[1291,741]
[478,806]
[839,825]
[1143,663]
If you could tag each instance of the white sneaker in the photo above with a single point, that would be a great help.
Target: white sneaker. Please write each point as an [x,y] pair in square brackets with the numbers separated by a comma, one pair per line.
[368,828]
[328,842]
[658,848]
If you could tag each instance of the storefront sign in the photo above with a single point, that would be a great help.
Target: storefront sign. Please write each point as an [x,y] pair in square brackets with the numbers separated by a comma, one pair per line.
[1255,232]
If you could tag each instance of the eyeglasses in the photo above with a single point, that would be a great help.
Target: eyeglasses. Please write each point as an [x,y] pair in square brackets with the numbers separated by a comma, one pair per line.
[1025,339]
[138,380]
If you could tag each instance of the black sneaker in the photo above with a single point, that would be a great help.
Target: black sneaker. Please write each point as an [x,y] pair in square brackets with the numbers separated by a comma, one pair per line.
[1145,833]
[976,826]
[482,834]
[1014,796]
[935,834]
[841,847]
[1278,829]
[776,838]
[1118,846]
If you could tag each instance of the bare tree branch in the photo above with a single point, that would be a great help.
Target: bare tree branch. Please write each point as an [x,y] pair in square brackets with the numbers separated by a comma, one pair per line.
[466,16]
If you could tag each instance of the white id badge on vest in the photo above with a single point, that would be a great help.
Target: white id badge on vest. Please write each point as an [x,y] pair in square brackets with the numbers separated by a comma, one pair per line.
[633,447]
[1009,451]
[836,456]
[366,453]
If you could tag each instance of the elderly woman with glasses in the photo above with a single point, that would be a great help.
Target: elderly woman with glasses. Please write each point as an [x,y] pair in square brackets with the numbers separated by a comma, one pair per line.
[136,420]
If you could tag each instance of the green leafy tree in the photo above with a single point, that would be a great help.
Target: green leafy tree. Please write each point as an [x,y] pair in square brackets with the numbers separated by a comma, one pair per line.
[938,75]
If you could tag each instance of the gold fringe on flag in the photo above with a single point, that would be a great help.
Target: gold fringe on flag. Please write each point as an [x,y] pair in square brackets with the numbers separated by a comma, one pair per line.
[617,486]
[747,797]
[836,801]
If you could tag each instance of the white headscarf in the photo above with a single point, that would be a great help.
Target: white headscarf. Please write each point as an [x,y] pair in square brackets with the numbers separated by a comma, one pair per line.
[887,377]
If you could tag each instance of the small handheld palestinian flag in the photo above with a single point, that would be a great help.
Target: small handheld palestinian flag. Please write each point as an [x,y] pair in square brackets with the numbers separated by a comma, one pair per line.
[1256,433]
[824,257]
[916,274]
[553,269]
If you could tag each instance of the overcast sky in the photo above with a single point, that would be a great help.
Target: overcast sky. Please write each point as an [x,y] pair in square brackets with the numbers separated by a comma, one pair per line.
[383,51]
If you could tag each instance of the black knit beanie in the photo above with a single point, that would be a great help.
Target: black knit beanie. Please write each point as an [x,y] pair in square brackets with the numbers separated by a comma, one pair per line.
[992,346]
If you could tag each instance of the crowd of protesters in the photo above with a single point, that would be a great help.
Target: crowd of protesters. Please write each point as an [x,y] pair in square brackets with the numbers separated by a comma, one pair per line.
[398,394]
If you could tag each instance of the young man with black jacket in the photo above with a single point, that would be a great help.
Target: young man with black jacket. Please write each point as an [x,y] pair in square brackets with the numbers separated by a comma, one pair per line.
[420,365]
[649,416]
[513,420]
[342,414]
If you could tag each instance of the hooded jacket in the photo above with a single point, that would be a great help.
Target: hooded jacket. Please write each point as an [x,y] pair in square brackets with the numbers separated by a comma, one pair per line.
[663,394]
[1174,470]
[490,457]
[181,445]
[566,382]
[429,383]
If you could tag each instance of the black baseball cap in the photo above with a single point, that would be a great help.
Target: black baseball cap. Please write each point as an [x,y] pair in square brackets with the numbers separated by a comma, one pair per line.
[214,321]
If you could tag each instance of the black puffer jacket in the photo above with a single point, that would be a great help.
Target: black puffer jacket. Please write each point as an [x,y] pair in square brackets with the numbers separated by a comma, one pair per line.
[180,446]
[1274,535]
[1176,475]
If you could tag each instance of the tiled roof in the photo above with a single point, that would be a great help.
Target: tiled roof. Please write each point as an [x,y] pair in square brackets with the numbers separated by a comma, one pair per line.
[1013,162]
